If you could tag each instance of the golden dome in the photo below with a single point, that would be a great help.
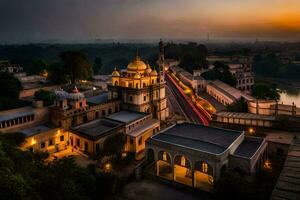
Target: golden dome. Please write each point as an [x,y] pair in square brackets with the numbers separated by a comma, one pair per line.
[137,76]
[148,70]
[115,73]
[153,73]
[137,65]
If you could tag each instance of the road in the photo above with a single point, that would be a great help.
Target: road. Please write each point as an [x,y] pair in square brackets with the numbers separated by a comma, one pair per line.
[185,107]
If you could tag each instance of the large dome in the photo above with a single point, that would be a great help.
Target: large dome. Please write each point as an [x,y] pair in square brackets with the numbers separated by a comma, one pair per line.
[137,65]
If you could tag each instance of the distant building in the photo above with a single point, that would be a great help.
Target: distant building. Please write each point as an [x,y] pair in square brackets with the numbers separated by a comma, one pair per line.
[6,66]
[241,69]
[197,155]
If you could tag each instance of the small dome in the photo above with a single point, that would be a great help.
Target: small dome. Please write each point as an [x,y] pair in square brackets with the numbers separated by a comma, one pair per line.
[153,73]
[75,95]
[61,94]
[137,76]
[137,65]
[115,73]
[148,70]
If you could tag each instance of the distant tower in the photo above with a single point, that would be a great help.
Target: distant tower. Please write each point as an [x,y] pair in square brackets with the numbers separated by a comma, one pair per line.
[161,51]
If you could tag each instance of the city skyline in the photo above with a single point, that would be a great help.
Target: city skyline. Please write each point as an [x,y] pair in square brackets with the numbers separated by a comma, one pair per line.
[77,20]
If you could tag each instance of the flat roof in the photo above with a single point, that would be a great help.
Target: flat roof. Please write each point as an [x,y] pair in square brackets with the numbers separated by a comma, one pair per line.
[98,99]
[35,130]
[288,183]
[229,90]
[144,127]
[4,116]
[126,116]
[97,128]
[199,137]
[248,147]
[244,115]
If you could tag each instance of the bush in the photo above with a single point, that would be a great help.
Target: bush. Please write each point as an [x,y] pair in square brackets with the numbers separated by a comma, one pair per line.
[46,96]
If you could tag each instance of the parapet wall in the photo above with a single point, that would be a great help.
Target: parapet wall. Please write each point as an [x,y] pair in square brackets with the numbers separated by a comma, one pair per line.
[271,107]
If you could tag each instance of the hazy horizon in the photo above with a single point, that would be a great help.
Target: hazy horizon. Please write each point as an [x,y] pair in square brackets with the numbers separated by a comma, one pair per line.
[77,21]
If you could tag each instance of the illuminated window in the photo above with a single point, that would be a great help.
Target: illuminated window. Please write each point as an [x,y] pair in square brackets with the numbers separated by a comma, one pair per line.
[204,167]
[182,161]
[165,156]
[61,138]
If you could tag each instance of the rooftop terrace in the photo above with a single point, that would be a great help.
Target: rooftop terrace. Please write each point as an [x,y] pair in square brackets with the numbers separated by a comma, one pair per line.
[198,137]
[126,116]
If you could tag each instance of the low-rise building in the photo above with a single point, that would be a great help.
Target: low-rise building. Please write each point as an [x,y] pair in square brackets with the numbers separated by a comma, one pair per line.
[45,139]
[225,93]
[138,127]
[197,155]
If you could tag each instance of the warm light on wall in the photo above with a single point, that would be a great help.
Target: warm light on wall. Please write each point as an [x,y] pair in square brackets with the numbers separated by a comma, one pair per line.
[33,141]
[267,165]
[204,167]
[251,130]
[182,161]
[107,166]
[165,156]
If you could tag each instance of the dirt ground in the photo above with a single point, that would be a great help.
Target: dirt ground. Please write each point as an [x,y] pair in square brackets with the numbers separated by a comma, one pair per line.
[153,190]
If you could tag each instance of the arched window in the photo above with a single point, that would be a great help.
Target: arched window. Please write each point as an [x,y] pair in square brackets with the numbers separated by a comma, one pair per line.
[144,85]
[136,85]
[116,83]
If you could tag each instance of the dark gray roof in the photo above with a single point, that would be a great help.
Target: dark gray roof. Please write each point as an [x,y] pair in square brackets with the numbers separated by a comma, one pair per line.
[288,183]
[98,99]
[10,116]
[248,147]
[199,137]
[97,128]
[35,130]
[126,116]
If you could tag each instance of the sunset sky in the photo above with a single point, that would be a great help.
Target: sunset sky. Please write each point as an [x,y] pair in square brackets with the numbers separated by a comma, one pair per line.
[78,20]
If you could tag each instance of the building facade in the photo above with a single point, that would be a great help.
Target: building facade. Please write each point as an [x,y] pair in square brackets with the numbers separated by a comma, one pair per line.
[140,88]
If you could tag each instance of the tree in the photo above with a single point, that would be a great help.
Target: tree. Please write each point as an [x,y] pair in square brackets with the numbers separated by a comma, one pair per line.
[37,66]
[76,65]
[265,91]
[46,96]
[238,106]
[57,73]
[114,145]
[10,86]
[97,65]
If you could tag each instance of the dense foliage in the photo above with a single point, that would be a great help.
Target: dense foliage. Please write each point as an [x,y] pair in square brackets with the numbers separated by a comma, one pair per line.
[114,145]
[271,66]
[238,106]
[10,88]
[220,72]
[192,55]
[265,91]
[46,96]
[25,175]
[76,65]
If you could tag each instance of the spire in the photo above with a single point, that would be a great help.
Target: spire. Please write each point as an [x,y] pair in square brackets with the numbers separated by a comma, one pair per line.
[137,57]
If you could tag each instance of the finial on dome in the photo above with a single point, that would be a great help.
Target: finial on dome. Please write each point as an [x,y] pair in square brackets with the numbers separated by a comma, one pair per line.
[75,90]
[137,56]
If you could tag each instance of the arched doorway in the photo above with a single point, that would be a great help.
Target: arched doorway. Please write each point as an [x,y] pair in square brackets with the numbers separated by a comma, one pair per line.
[116,83]
[164,167]
[182,170]
[203,176]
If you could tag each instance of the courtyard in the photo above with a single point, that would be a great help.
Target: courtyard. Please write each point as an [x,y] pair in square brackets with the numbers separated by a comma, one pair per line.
[149,190]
